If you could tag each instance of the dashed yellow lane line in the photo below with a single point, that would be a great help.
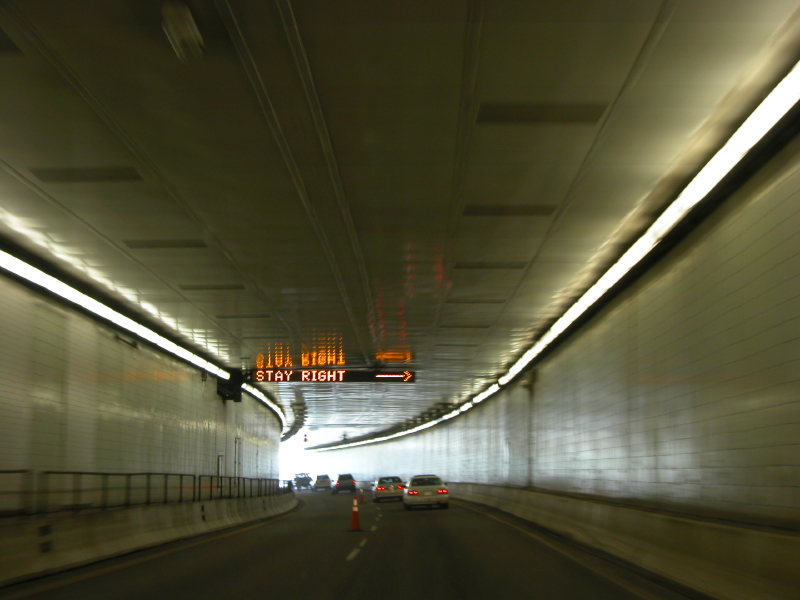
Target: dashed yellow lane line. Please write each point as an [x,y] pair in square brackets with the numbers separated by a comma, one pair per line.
[353,554]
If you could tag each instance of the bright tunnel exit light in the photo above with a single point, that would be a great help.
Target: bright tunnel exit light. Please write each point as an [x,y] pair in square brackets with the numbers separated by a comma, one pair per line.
[772,109]
[22,269]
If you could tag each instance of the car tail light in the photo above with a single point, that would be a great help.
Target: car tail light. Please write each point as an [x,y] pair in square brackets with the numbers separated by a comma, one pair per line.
[380,488]
[441,491]
[338,483]
[412,492]
[400,486]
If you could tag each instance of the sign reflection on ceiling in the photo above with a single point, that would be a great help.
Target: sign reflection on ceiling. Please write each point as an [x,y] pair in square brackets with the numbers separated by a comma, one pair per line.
[323,351]
[393,356]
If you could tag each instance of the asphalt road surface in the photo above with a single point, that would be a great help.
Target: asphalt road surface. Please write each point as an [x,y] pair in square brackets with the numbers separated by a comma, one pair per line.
[466,552]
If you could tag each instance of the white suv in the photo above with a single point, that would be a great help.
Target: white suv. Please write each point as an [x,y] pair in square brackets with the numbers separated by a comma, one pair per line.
[323,482]
[427,490]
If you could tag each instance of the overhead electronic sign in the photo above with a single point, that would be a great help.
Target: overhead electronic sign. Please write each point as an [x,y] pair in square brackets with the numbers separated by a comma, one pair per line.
[331,376]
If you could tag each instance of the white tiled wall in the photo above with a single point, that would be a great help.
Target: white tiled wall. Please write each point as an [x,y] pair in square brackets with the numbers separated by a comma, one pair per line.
[75,397]
[684,392]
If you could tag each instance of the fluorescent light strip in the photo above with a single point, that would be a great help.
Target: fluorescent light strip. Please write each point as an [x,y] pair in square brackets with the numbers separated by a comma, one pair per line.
[385,437]
[22,269]
[771,110]
[785,95]
[258,394]
[445,417]
[486,393]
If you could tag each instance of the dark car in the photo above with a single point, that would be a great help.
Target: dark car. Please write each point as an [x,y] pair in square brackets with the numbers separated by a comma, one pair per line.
[345,482]
[302,481]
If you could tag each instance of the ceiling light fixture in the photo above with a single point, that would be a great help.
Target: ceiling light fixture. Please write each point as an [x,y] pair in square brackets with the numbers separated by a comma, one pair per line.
[486,393]
[771,110]
[258,394]
[14,265]
[755,127]
[21,269]
[181,30]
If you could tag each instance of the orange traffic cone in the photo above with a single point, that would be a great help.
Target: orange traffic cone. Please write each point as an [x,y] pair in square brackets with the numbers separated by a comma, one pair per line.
[355,522]
[361,496]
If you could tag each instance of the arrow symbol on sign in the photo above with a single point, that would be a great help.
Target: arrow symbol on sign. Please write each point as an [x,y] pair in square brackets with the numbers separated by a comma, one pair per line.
[405,376]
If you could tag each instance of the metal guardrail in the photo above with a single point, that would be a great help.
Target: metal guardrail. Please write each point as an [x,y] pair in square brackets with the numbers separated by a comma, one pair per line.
[214,487]
[22,492]
[16,492]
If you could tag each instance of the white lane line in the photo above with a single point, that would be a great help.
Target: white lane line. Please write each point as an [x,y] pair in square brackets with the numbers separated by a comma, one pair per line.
[363,542]
[374,527]
[353,554]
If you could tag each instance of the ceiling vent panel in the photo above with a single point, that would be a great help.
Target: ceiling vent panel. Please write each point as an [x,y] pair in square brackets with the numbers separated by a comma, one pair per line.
[485,283]
[509,210]
[7,45]
[523,112]
[490,265]
[155,244]
[476,301]
[86,174]
[212,287]
[470,314]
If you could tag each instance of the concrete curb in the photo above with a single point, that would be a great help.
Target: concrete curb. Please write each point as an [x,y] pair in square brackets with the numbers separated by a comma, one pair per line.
[43,544]
[720,560]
